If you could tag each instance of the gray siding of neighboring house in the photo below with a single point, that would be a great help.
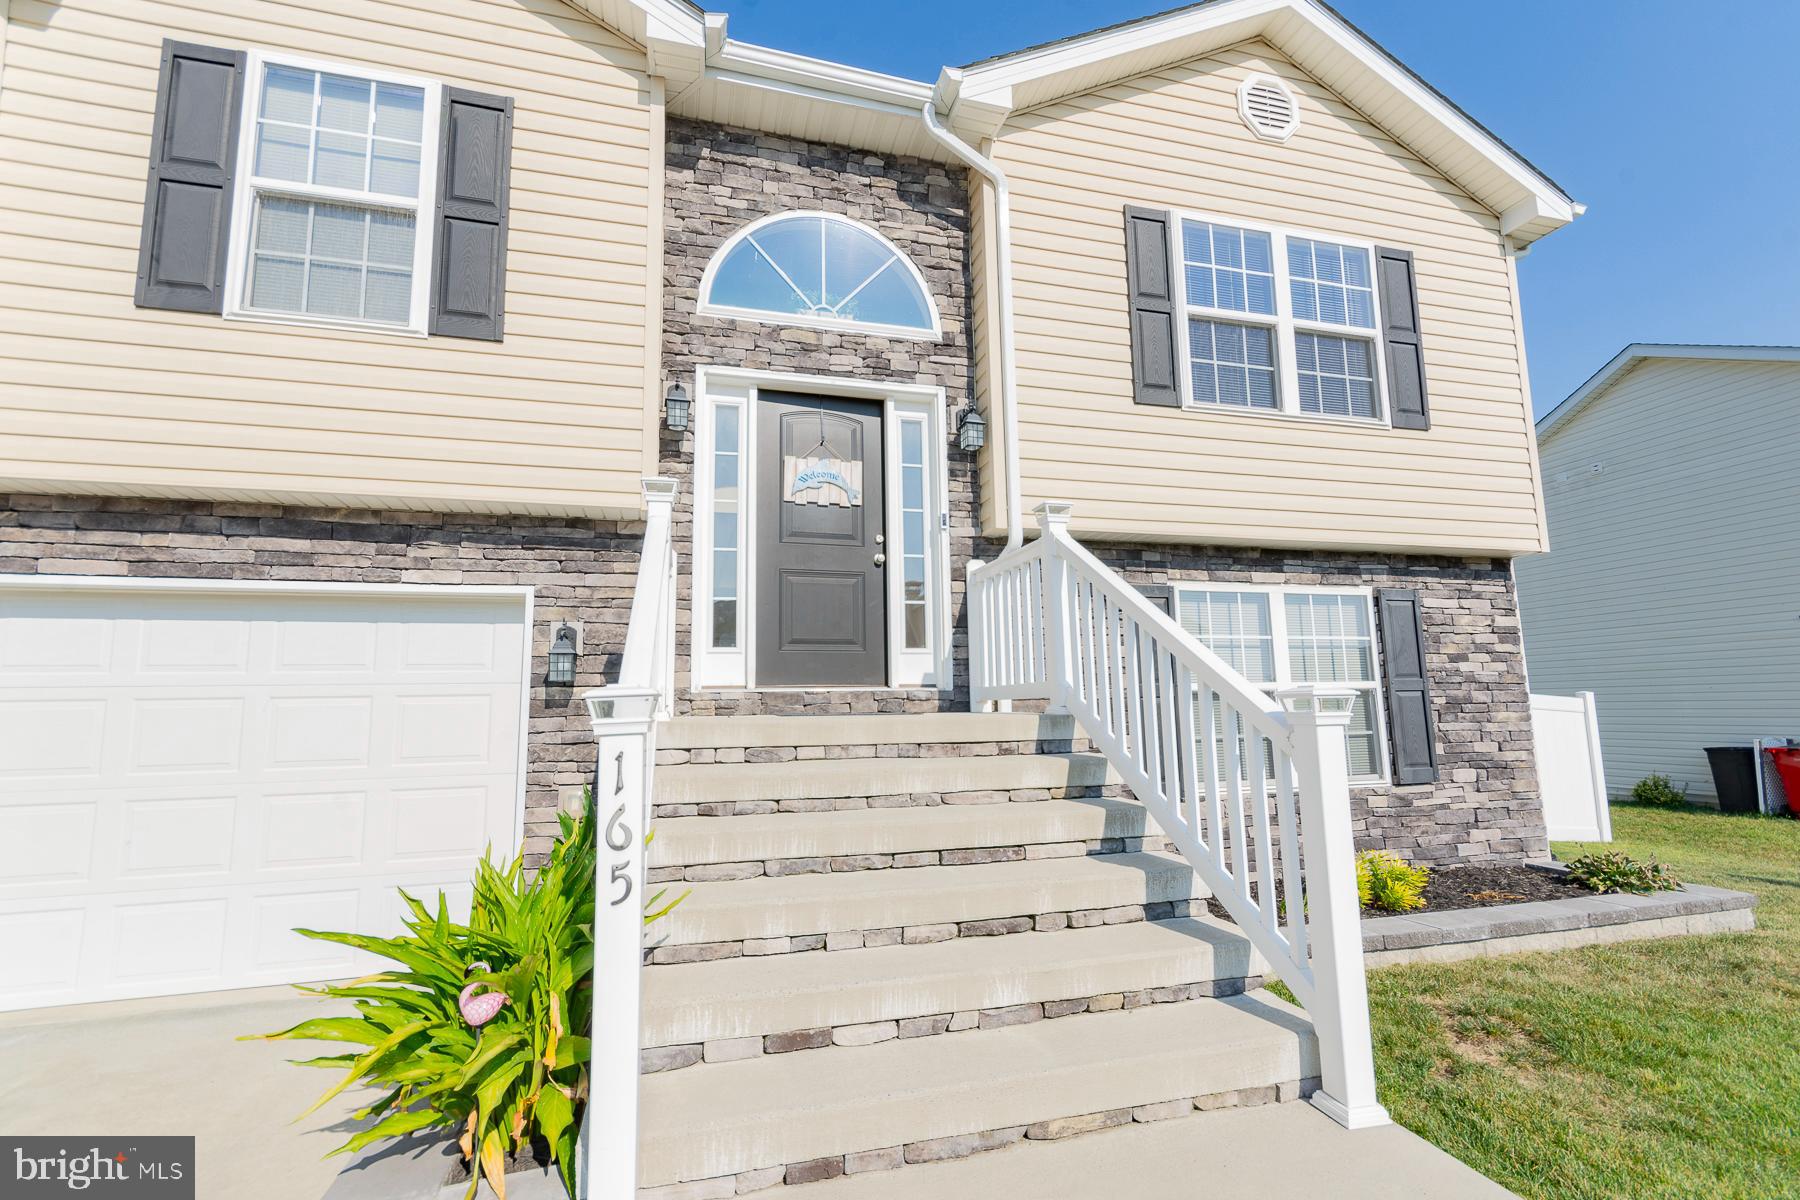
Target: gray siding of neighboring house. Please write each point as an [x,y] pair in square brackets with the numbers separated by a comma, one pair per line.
[1672,588]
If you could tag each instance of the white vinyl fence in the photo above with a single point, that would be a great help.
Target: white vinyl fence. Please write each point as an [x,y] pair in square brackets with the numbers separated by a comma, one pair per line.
[1566,730]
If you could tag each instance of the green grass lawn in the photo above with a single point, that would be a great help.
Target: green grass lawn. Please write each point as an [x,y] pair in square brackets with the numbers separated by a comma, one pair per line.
[1658,1070]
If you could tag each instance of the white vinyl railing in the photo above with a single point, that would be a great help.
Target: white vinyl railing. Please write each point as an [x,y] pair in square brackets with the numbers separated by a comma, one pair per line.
[1251,788]
[625,715]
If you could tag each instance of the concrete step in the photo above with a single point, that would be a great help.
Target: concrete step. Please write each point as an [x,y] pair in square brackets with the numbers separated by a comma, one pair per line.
[693,1004]
[691,841]
[1275,1150]
[937,898]
[909,729]
[943,1097]
[826,779]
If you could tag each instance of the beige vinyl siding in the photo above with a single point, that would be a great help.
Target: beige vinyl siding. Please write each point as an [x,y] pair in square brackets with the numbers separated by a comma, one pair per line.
[102,397]
[1672,588]
[1173,139]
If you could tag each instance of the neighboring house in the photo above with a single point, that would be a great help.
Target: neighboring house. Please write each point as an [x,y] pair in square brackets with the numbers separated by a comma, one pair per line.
[1672,587]
[326,445]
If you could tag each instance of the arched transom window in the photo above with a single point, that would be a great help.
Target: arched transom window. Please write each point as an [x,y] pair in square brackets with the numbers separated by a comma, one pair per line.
[818,269]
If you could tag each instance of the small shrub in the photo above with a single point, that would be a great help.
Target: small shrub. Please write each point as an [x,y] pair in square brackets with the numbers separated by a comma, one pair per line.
[1616,871]
[1658,790]
[1388,882]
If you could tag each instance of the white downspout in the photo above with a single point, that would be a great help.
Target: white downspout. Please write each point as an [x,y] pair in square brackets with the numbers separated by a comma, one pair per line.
[1009,408]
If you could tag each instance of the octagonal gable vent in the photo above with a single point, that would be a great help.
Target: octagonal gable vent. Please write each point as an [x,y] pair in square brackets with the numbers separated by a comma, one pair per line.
[1268,108]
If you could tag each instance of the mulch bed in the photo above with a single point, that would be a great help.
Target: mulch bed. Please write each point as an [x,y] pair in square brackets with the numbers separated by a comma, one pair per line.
[1469,887]
[1485,886]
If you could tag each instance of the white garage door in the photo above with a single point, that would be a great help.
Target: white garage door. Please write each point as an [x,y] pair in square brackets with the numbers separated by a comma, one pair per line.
[187,776]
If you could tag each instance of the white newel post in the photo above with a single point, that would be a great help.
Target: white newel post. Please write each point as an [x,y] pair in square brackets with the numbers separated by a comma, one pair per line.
[1053,527]
[624,721]
[1320,715]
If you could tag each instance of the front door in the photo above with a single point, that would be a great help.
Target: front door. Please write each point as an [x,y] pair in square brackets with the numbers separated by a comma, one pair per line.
[821,595]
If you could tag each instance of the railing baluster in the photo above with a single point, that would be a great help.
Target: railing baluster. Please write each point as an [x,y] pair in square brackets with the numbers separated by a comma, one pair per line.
[1190,751]
[1265,847]
[1168,726]
[1209,765]
[1147,682]
[1115,698]
[1290,855]
[1234,782]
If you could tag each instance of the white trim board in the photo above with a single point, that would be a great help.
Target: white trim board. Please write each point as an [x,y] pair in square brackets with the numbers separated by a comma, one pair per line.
[735,669]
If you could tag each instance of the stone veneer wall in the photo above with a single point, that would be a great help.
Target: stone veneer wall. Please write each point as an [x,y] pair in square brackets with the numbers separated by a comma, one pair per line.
[721,179]
[1484,805]
[583,572]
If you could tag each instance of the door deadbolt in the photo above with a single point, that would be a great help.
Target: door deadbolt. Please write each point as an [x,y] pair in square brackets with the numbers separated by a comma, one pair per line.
[881,539]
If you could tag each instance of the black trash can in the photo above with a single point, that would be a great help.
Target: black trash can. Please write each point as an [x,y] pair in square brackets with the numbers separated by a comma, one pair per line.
[1734,776]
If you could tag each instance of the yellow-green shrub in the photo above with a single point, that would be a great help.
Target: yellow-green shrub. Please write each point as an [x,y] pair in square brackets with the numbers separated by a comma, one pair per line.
[1386,881]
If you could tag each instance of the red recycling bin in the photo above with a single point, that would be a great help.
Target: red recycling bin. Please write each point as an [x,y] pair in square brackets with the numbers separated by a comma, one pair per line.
[1787,761]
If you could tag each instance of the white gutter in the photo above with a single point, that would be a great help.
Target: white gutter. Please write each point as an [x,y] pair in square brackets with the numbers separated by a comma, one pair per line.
[1009,410]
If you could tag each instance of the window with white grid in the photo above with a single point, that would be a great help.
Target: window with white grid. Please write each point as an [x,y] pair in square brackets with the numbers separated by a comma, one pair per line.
[1278,636]
[335,207]
[1279,322]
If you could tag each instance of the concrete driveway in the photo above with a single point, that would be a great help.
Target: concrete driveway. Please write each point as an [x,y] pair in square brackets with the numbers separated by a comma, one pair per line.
[173,1066]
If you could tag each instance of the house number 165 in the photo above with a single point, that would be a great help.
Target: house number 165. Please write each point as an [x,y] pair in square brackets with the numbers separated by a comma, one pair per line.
[618,836]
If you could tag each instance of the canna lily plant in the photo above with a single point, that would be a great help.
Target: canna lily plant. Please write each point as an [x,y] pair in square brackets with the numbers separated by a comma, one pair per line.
[474,1030]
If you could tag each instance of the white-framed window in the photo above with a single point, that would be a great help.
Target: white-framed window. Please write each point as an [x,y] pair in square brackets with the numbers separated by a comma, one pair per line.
[1278,320]
[819,269]
[1276,636]
[336,194]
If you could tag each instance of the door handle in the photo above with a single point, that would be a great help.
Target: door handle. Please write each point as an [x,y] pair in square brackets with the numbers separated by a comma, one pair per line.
[880,559]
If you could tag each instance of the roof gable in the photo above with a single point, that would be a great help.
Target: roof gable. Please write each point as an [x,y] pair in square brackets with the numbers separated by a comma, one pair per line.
[980,98]
[1631,356]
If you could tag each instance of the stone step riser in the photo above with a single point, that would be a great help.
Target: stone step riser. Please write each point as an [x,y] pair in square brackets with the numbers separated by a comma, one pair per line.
[657,1059]
[964,1145]
[813,752]
[828,779]
[813,804]
[845,864]
[896,935]
[895,729]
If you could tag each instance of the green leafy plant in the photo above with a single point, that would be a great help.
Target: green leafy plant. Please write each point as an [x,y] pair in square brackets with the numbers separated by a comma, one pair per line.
[480,1029]
[1616,871]
[1386,881]
[1660,791]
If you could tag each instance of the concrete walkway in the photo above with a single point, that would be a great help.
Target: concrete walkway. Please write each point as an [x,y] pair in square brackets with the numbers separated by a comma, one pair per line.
[174,1066]
[1278,1151]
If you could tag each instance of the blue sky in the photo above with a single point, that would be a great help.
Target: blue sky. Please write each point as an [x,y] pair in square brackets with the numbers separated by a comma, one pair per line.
[1675,123]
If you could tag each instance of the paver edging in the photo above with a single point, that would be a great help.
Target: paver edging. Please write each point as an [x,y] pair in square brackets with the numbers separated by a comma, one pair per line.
[1487,930]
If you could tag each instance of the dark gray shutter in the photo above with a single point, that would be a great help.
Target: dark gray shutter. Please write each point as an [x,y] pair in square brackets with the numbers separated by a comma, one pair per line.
[193,158]
[1408,687]
[1400,337]
[1159,594]
[1150,279]
[468,286]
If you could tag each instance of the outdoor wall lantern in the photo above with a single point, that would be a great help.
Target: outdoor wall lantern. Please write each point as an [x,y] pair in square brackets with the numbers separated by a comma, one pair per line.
[563,649]
[676,407]
[972,433]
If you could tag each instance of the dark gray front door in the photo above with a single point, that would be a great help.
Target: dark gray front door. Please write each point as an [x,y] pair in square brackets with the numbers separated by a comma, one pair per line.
[820,597]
